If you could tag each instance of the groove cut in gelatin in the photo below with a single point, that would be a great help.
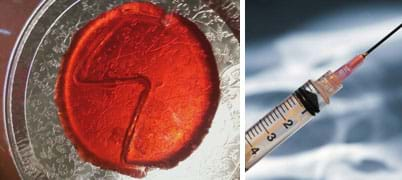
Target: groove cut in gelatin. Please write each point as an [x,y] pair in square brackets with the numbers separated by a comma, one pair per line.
[137,89]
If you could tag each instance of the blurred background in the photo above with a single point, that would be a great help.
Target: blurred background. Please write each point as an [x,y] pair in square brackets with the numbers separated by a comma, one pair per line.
[359,135]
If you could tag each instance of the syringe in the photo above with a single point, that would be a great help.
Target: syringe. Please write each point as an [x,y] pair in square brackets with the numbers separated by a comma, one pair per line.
[298,109]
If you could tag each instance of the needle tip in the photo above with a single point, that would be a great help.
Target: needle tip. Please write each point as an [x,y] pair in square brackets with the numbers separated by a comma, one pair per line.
[382,40]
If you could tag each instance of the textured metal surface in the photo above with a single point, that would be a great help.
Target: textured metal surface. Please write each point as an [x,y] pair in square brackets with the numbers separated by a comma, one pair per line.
[39,146]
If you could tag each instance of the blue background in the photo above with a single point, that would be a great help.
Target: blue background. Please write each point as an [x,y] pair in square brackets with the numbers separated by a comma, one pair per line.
[359,135]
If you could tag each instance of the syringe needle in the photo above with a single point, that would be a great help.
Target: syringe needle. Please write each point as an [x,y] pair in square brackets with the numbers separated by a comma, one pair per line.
[298,109]
[382,40]
[344,71]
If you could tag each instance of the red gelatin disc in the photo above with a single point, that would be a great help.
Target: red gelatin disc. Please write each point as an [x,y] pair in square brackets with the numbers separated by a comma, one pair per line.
[137,88]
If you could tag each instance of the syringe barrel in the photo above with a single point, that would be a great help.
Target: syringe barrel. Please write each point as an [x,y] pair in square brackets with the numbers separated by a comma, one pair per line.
[288,117]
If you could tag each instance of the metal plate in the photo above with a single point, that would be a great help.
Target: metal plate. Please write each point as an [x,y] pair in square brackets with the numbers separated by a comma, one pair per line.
[37,140]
